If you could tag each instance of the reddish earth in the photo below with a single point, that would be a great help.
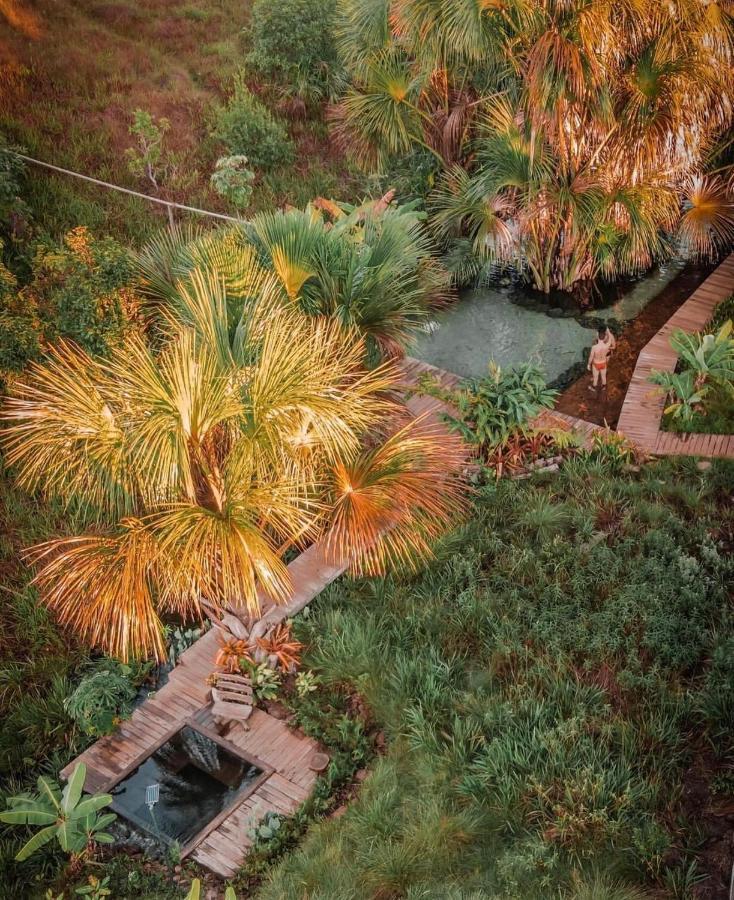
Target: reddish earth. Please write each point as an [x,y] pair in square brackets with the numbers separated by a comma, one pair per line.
[604,407]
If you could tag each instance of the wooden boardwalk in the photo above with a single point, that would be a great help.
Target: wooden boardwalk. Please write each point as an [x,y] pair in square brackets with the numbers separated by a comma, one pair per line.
[285,753]
[643,405]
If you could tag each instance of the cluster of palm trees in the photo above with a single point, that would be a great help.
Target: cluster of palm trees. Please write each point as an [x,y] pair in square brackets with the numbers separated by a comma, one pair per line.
[243,421]
[577,139]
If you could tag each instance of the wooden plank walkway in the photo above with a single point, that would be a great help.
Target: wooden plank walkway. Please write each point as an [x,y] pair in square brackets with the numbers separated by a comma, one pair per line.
[186,696]
[643,405]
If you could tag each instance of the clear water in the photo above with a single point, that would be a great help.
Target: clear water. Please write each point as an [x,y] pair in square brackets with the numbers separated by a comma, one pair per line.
[198,779]
[636,298]
[486,325]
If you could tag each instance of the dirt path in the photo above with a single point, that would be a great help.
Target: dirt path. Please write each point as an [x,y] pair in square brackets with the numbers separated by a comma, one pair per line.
[605,406]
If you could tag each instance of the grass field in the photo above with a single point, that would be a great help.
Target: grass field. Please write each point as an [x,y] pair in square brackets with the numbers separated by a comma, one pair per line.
[73,71]
[554,694]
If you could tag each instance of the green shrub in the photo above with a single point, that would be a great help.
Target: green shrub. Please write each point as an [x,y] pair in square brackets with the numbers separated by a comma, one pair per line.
[81,290]
[723,312]
[493,407]
[11,173]
[292,41]
[232,179]
[102,697]
[248,128]
[146,159]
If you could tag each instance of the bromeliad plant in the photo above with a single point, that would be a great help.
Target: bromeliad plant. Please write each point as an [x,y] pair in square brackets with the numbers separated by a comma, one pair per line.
[243,428]
[281,643]
[74,822]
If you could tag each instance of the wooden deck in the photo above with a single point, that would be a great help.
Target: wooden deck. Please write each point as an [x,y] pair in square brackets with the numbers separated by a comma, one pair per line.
[643,405]
[269,740]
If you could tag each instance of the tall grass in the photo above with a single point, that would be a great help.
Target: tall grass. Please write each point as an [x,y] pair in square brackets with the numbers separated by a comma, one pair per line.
[543,687]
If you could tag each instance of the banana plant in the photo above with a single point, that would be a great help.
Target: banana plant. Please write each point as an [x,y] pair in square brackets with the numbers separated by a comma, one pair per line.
[684,396]
[74,822]
[710,357]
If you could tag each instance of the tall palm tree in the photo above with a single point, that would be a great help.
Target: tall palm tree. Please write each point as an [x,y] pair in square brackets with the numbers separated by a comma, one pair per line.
[574,134]
[203,453]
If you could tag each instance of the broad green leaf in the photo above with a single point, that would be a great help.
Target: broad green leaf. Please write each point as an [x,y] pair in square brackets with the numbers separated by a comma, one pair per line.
[71,839]
[91,805]
[103,837]
[38,840]
[74,788]
[27,817]
[229,894]
[105,820]
[195,890]
[49,791]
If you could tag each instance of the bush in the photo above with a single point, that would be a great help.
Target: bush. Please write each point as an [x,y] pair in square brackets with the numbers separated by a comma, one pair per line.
[102,697]
[232,179]
[247,128]
[493,407]
[11,172]
[292,40]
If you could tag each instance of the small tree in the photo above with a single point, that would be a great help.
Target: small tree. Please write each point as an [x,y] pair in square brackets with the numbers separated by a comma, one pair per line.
[145,160]
[232,179]
[246,126]
[73,821]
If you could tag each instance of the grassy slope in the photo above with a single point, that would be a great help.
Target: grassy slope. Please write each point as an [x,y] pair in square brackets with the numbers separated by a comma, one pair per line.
[73,71]
[553,691]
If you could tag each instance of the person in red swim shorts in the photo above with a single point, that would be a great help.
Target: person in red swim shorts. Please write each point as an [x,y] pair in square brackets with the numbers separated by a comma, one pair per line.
[599,358]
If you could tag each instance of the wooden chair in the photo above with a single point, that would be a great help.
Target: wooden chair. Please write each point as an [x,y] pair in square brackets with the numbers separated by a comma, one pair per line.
[232,699]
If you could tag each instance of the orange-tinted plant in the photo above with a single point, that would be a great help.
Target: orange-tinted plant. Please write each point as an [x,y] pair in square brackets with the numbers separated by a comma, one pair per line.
[282,644]
[230,653]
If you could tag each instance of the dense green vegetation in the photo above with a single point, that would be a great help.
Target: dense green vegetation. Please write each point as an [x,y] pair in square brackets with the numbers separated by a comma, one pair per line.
[545,688]
[700,393]
[533,705]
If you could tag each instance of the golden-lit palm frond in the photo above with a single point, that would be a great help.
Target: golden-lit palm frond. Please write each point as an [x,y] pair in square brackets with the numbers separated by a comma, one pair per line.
[707,223]
[391,501]
[103,587]
[310,374]
[223,557]
[66,436]
[171,256]
[172,403]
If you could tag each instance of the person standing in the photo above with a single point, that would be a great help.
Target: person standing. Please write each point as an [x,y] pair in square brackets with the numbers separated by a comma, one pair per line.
[599,357]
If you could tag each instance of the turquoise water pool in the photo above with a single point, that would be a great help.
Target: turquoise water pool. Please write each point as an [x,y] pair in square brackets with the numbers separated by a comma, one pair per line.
[486,325]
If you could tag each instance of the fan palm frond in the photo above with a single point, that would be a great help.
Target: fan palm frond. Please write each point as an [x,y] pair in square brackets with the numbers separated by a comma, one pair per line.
[391,501]
[66,434]
[103,587]
[707,223]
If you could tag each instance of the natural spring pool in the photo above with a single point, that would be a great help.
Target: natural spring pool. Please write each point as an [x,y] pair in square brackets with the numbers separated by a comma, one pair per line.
[485,324]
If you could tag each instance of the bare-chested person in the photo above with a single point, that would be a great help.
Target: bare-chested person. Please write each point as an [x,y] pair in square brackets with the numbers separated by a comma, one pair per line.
[598,359]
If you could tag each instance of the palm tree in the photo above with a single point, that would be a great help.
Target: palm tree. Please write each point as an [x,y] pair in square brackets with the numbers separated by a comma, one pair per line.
[202,454]
[369,267]
[574,136]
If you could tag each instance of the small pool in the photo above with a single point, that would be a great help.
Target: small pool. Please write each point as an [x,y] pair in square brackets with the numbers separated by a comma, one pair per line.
[184,786]
[486,324]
